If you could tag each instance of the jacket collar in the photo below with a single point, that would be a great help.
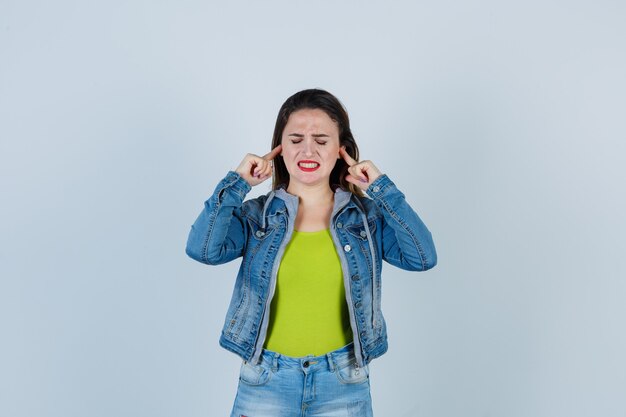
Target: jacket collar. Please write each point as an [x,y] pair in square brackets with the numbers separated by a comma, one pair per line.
[342,199]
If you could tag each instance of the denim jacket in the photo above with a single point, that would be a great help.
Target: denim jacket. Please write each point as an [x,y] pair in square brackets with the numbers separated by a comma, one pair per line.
[364,231]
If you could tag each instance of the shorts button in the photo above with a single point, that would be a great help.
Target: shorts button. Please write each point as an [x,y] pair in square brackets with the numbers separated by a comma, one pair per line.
[306,364]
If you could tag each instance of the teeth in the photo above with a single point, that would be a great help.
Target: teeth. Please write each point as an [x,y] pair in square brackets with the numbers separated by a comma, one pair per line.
[308,164]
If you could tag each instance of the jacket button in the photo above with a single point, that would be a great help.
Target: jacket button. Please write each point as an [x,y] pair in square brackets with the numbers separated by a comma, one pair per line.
[339,225]
[260,233]
[363,334]
[355,277]
[376,188]
[347,248]
[357,305]
[363,233]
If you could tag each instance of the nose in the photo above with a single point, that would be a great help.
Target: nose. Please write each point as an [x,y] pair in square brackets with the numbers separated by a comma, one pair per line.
[308,147]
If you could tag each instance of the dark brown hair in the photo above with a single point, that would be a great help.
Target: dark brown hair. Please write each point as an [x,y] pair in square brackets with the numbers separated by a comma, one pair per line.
[323,100]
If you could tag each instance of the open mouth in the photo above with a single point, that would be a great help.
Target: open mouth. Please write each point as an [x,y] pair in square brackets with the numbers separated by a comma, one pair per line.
[308,166]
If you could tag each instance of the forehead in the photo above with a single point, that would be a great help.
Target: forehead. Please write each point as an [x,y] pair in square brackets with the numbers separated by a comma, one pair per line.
[311,120]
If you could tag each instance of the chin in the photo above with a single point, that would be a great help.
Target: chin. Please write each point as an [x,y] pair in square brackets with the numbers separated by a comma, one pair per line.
[309,179]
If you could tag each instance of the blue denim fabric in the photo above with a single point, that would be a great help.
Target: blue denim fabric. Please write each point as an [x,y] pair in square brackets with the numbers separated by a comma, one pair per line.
[330,385]
[365,232]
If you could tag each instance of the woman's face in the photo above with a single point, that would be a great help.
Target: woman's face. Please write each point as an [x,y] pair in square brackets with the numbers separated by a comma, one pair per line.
[310,147]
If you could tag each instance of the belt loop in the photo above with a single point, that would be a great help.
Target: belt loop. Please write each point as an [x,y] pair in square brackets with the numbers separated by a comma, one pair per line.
[331,362]
[275,362]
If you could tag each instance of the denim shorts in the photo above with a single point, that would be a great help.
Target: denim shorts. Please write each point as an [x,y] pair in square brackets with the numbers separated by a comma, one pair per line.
[330,385]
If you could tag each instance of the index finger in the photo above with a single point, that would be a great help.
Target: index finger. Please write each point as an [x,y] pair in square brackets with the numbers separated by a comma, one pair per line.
[273,153]
[346,157]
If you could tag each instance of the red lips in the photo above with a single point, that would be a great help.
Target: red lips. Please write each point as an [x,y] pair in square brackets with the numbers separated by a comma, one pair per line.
[308,165]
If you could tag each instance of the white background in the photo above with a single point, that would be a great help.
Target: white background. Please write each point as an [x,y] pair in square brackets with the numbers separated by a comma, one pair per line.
[502,122]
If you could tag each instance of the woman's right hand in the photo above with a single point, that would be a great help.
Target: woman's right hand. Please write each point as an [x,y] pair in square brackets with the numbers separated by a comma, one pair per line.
[256,169]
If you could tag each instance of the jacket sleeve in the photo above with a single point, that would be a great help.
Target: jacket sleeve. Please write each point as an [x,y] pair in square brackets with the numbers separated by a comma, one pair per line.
[219,233]
[407,242]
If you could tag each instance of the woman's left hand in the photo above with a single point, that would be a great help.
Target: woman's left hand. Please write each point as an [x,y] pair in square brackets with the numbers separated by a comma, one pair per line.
[361,174]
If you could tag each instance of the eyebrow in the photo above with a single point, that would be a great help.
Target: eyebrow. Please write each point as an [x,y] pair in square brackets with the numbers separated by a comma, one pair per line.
[318,135]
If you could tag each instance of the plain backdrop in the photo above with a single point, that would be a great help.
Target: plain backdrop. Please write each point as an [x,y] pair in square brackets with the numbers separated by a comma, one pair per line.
[503,123]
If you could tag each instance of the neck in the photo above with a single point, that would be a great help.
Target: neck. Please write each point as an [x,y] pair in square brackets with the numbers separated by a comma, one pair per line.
[312,195]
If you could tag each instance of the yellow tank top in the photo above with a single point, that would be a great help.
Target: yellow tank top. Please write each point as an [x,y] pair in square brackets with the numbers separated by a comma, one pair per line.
[308,314]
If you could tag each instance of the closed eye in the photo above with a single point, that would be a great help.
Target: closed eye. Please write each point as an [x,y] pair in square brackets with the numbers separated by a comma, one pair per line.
[319,142]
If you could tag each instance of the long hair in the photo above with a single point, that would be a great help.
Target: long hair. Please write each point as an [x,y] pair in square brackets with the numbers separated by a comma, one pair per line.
[323,100]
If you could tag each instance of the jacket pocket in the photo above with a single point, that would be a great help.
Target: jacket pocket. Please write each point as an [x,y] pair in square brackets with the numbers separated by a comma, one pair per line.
[257,232]
[358,238]
[358,230]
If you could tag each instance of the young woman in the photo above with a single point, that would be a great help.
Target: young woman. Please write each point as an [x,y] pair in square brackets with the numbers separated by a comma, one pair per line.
[305,313]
